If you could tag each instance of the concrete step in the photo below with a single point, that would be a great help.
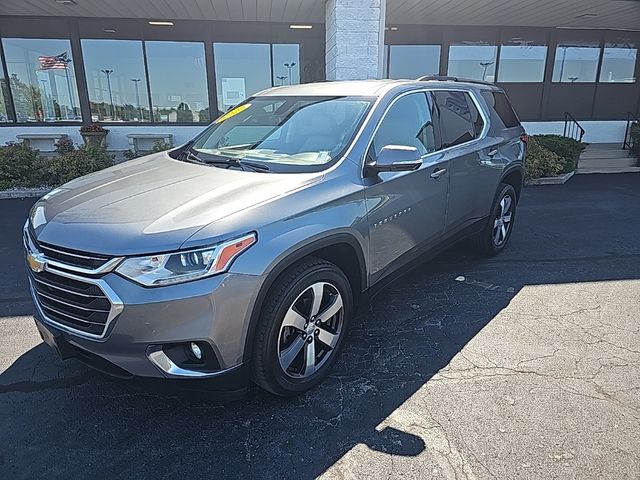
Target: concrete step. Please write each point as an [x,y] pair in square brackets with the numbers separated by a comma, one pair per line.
[604,150]
[581,170]
[608,162]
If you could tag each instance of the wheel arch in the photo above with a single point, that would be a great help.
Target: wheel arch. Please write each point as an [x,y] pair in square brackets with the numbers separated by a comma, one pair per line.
[342,249]
[514,176]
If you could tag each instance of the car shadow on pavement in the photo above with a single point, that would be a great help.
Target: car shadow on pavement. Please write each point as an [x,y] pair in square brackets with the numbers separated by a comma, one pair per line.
[61,419]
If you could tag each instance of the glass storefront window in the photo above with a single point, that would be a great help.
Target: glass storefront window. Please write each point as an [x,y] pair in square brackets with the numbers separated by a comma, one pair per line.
[178,82]
[522,63]
[116,80]
[241,70]
[286,64]
[574,64]
[413,61]
[475,62]
[4,100]
[42,79]
[618,65]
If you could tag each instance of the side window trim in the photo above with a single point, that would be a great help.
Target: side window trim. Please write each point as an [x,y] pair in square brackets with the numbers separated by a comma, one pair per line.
[431,90]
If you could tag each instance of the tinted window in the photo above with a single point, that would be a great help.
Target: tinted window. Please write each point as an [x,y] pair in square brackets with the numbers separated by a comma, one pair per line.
[178,81]
[241,70]
[476,62]
[4,100]
[42,79]
[413,61]
[116,80]
[408,122]
[618,65]
[575,64]
[460,120]
[522,63]
[502,114]
[286,64]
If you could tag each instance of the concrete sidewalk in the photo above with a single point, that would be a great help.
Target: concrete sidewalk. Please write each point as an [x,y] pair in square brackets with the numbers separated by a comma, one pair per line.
[526,366]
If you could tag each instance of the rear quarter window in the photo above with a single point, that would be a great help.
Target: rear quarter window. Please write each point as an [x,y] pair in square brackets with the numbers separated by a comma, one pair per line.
[502,113]
[460,120]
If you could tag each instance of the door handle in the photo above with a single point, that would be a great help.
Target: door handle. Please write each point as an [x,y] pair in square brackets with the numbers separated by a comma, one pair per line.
[492,153]
[438,172]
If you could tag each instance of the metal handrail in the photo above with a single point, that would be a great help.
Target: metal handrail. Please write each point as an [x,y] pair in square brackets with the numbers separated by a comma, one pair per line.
[572,129]
[628,139]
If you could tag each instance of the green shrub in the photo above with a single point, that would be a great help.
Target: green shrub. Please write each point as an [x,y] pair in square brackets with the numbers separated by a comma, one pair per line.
[21,166]
[541,162]
[567,149]
[65,145]
[76,163]
[158,147]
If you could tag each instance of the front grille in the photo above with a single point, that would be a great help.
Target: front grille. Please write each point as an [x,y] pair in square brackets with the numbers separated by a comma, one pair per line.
[72,302]
[67,256]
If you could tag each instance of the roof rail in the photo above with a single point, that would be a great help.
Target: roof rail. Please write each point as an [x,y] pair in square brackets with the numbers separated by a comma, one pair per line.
[445,78]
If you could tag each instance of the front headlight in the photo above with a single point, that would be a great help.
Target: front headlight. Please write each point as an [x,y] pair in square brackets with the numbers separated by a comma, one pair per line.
[178,267]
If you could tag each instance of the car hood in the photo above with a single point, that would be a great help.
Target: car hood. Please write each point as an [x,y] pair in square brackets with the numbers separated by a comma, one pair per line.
[151,204]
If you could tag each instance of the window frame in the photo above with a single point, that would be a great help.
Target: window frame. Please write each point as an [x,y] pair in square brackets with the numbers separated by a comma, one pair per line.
[478,104]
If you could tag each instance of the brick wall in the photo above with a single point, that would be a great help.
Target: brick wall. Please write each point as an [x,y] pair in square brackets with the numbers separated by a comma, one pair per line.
[354,39]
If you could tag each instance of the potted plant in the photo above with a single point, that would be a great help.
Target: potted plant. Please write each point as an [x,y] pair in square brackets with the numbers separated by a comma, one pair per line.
[94,134]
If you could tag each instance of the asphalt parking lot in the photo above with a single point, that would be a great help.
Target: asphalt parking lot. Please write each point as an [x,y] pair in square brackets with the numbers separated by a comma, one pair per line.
[526,365]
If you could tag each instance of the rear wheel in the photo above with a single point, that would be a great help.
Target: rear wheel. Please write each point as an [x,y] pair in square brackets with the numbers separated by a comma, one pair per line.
[495,236]
[302,327]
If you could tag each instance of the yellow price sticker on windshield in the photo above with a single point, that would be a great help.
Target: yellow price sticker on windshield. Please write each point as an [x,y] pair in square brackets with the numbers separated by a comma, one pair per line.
[232,112]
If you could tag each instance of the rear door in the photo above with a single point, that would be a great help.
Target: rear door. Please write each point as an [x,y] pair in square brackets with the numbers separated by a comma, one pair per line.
[406,209]
[469,149]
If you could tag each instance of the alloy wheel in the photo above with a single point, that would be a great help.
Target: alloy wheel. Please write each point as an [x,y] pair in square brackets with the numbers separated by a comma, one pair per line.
[310,330]
[502,223]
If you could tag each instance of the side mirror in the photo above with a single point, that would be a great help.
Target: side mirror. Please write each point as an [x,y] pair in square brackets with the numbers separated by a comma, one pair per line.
[395,158]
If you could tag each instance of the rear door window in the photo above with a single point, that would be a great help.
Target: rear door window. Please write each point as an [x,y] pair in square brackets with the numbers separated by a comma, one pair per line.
[460,120]
[502,113]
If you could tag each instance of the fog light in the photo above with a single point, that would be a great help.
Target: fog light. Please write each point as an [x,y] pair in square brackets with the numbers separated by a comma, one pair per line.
[195,349]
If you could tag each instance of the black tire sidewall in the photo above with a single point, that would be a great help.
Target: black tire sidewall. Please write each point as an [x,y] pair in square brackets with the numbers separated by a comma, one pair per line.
[505,189]
[279,382]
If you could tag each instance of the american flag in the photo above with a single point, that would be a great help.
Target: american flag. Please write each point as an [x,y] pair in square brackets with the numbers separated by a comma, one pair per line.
[54,62]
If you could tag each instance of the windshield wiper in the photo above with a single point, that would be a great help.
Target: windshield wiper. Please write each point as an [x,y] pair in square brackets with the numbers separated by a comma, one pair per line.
[226,161]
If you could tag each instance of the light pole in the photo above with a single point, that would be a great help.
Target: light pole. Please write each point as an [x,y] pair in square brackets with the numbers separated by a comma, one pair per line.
[136,81]
[564,57]
[485,65]
[289,67]
[108,73]
[45,98]
[282,79]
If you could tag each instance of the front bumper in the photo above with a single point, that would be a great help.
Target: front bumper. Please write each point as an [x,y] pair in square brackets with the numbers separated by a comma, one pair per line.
[214,310]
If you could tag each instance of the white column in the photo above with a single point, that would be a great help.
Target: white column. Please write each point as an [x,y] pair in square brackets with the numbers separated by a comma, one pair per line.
[354,39]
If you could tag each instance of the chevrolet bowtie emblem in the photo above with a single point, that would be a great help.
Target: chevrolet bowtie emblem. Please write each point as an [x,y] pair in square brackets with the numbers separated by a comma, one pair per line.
[36,262]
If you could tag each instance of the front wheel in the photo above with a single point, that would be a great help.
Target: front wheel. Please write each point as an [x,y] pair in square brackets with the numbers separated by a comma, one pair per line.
[495,236]
[302,327]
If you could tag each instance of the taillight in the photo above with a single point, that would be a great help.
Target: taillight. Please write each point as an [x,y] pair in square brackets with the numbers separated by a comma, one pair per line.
[525,138]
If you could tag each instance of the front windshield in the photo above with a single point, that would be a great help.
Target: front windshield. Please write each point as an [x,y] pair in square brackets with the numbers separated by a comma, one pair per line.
[295,131]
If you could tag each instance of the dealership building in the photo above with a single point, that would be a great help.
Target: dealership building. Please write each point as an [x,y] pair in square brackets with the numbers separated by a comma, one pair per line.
[150,69]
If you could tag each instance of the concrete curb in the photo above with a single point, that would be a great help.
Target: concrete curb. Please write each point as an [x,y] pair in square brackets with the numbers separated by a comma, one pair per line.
[559,180]
[24,193]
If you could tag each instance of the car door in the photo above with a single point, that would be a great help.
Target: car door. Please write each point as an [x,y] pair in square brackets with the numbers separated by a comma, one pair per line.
[406,210]
[471,176]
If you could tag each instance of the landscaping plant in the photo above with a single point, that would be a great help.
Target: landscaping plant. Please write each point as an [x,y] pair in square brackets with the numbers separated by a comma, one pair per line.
[541,162]
[568,149]
[21,166]
[76,163]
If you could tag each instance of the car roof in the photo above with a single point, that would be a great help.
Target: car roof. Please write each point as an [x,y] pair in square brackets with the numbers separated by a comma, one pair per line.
[366,88]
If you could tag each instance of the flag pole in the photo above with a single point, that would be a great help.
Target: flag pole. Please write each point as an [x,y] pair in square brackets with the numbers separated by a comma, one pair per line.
[67,61]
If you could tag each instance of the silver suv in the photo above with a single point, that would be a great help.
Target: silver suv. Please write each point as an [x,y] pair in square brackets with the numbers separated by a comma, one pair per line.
[244,253]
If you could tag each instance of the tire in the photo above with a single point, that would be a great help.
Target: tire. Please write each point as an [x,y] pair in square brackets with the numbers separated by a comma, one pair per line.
[489,242]
[276,366]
